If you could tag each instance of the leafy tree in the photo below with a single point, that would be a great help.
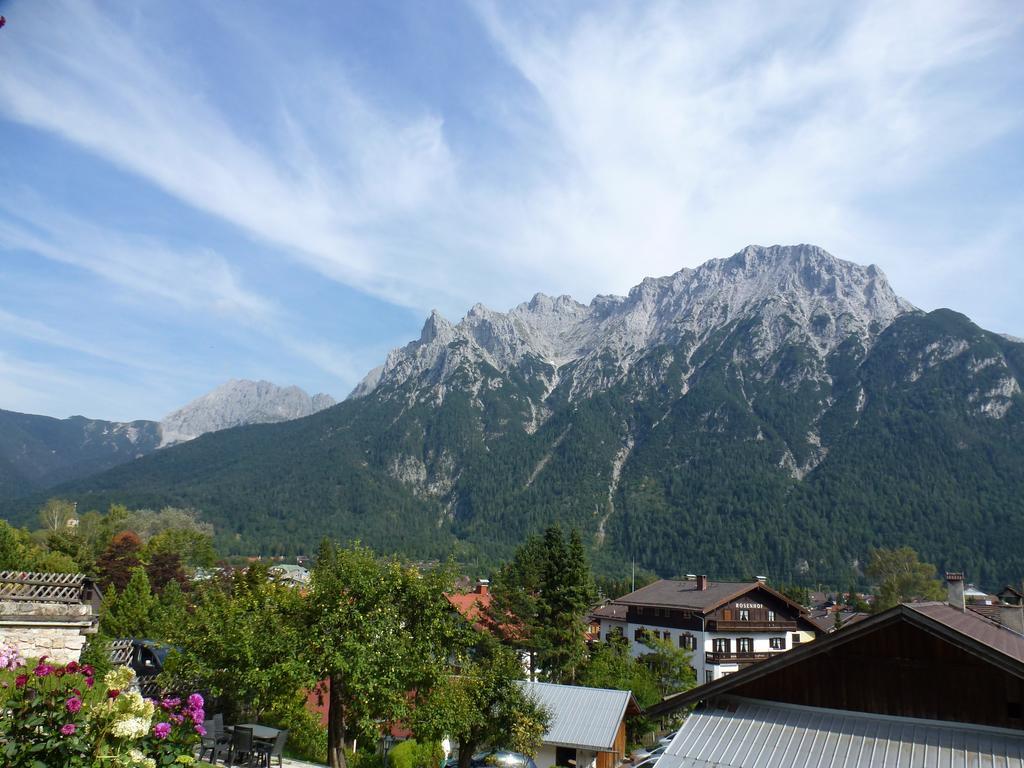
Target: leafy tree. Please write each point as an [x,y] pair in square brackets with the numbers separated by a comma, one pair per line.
[56,514]
[671,666]
[798,594]
[900,577]
[118,560]
[376,630]
[484,704]
[19,553]
[239,643]
[164,568]
[194,548]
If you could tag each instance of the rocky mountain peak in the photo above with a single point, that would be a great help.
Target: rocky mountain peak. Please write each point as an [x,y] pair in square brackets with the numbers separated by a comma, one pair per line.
[792,292]
[237,403]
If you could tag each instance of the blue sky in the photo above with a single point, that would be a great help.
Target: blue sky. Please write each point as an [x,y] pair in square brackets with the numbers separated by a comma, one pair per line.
[191,192]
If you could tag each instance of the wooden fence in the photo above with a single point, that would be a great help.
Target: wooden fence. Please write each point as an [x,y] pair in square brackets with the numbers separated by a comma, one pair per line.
[65,588]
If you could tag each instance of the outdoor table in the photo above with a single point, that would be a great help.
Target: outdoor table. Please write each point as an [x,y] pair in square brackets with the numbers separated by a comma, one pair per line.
[259,732]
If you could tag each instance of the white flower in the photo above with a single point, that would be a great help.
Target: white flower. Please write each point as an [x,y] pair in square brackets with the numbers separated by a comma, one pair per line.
[131,728]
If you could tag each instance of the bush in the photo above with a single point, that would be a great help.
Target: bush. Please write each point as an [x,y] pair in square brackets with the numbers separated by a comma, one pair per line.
[57,715]
[411,754]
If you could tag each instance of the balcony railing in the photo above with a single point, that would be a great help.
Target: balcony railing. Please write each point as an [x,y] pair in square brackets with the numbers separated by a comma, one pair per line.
[722,657]
[717,625]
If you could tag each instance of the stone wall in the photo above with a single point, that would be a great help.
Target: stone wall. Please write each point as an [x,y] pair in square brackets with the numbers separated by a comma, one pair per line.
[57,630]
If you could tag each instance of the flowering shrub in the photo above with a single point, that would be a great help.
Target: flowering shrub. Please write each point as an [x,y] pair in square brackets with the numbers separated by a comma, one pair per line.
[57,715]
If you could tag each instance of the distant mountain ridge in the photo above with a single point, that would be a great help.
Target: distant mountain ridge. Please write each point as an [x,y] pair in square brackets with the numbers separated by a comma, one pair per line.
[237,403]
[38,452]
[777,412]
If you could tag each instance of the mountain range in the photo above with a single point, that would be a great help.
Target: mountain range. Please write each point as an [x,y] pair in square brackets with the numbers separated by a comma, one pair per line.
[777,412]
[39,452]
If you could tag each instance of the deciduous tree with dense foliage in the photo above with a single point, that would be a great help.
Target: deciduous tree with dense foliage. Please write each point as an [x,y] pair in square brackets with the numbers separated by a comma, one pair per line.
[380,633]
[900,576]
[483,704]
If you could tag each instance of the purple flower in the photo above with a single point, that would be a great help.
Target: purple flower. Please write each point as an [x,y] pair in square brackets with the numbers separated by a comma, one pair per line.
[161,730]
[72,667]
[200,730]
[20,681]
[112,694]
[43,670]
[68,729]
[195,701]
[171,703]
[197,715]
[178,719]
[74,704]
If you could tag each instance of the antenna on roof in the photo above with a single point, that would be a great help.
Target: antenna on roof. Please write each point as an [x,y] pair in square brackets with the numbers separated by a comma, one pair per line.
[634,576]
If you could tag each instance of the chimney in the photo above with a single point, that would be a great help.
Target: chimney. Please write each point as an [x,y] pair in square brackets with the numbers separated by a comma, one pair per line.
[483,586]
[1012,617]
[702,583]
[955,590]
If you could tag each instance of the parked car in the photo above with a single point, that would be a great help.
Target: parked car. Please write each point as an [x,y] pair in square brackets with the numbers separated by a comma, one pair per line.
[643,753]
[667,738]
[500,758]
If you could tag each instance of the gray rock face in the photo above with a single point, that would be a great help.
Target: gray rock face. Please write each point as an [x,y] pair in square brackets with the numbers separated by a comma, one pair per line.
[237,403]
[789,293]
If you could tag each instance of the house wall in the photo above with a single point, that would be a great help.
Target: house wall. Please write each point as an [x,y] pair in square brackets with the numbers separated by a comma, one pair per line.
[545,757]
[55,630]
[704,643]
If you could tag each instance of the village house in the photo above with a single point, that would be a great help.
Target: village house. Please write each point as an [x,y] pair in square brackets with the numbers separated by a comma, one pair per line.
[727,625]
[919,684]
[588,725]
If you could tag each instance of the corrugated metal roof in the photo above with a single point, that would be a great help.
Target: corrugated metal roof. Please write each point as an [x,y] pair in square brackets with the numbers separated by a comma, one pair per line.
[581,717]
[760,734]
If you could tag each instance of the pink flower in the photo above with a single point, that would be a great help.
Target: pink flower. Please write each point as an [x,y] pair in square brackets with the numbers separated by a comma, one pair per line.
[197,715]
[113,693]
[169,704]
[68,729]
[20,681]
[89,681]
[161,730]
[43,670]
[200,730]
[195,701]
[178,719]
[72,667]
[74,704]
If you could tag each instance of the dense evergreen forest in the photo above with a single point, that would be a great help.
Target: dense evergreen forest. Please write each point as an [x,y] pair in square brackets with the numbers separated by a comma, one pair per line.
[793,467]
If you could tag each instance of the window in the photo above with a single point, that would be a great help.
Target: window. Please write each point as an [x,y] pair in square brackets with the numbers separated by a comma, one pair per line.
[796,639]
[777,643]
[771,615]
[689,642]
[721,645]
[565,756]
[744,645]
[709,676]
[744,614]
[638,634]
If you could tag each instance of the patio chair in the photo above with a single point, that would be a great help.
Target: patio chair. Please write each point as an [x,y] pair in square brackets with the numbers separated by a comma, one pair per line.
[267,750]
[209,741]
[242,748]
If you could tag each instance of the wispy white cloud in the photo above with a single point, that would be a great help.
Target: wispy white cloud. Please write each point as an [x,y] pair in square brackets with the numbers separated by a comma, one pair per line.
[642,137]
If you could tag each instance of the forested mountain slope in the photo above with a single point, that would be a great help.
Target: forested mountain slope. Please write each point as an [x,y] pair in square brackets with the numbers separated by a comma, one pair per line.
[39,452]
[777,412]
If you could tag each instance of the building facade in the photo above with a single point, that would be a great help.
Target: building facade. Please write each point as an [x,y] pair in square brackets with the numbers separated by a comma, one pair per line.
[726,625]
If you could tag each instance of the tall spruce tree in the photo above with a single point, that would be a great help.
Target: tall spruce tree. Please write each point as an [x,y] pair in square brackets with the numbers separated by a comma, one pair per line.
[566,594]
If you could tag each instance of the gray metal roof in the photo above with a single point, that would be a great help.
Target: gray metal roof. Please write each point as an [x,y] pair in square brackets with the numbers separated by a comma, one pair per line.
[586,718]
[758,734]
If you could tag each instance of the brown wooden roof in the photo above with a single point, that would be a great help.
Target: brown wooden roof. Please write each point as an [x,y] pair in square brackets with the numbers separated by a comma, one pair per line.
[967,630]
[669,593]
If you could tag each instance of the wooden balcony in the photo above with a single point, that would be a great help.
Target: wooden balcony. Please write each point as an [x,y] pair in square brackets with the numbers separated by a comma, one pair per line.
[716,625]
[721,657]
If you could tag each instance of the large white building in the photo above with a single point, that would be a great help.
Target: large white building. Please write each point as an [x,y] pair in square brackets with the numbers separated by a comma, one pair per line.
[727,625]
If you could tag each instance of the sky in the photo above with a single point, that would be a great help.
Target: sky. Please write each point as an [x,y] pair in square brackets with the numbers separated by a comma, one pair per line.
[192,192]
